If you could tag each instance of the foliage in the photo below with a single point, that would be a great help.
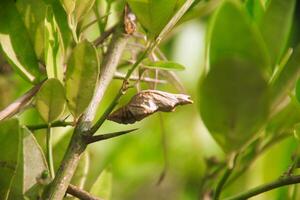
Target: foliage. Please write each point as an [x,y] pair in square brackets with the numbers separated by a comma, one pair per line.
[247,97]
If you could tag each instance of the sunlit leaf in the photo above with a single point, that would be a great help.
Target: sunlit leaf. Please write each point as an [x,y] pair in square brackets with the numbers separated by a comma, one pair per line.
[154,14]
[164,65]
[50,100]
[103,185]
[54,50]
[15,42]
[10,139]
[276,25]
[31,166]
[233,102]
[81,77]
[233,34]
[255,8]
[82,7]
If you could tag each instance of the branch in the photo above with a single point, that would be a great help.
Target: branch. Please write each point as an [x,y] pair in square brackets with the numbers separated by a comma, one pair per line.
[266,187]
[136,78]
[80,194]
[104,35]
[18,104]
[54,124]
[97,138]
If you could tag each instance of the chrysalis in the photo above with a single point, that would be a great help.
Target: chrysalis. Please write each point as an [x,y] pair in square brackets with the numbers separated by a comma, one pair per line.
[146,103]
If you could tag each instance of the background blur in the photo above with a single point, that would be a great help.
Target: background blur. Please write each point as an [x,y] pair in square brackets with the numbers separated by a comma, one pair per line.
[173,145]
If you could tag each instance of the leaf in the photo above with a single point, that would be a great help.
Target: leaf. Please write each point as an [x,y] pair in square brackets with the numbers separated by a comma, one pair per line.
[82,7]
[233,102]
[255,8]
[54,50]
[146,103]
[81,77]
[275,27]
[10,139]
[31,167]
[103,185]
[233,34]
[15,43]
[68,5]
[164,65]
[50,100]
[154,14]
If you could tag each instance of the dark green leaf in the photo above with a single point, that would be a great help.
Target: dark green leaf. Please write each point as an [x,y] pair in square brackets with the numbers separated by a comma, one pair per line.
[276,26]
[15,42]
[54,50]
[31,166]
[233,102]
[233,34]
[50,100]
[10,140]
[255,8]
[164,65]
[154,14]
[81,77]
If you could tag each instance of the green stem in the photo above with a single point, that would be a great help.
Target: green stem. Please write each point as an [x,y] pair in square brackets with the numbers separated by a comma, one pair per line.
[49,151]
[266,187]
[54,124]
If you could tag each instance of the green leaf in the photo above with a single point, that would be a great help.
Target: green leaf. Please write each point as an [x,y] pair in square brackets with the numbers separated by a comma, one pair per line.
[103,185]
[15,42]
[164,65]
[68,5]
[31,166]
[81,77]
[82,7]
[233,34]
[276,25]
[154,14]
[54,50]
[233,102]
[298,90]
[10,140]
[255,8]
[50,100]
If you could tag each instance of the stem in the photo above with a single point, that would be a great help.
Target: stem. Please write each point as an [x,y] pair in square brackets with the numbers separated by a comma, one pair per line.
[54,124]
[49,151]
[80,194]
[266,187]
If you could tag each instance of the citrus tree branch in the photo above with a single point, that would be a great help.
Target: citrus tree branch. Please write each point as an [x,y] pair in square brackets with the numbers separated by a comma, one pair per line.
[80,194]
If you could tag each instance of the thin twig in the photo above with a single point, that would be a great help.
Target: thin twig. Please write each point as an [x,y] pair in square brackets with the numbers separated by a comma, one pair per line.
[54,124]
[266,187]
[104,35]
[20,103]
[97,138]
[136,78]
[80,194]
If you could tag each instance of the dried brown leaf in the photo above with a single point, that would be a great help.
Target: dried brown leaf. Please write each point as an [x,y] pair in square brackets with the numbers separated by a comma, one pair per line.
[146,103]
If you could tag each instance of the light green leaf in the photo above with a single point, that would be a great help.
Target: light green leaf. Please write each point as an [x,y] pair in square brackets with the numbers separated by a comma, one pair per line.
[103,185]
[54,50]
[233,34]
[164,65]
[68,5]
[50,100]
[10,140]
[276,26]
[81,77]
[15,42]
[256,8]
[154,14]
[31,166]
[233,102]
[82,7]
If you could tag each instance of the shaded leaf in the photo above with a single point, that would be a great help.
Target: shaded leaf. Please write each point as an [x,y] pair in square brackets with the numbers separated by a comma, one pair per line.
[164,65]
[54,50]
[233,34]
[103,185]
[233,102]
[276,25]
[146,103]
[81,77]
[31,166]
[255,8]
[10,140]
[154,14]
[50,100]
[15,42]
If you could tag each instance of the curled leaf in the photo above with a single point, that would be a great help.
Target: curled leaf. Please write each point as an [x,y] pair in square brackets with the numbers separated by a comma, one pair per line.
[146,103]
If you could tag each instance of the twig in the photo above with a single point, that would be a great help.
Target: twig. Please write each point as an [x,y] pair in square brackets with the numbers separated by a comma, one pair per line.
[104,35]
[266,187]
[136,78]
[97,138]
[54,124]
[18,104]
[80,194]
